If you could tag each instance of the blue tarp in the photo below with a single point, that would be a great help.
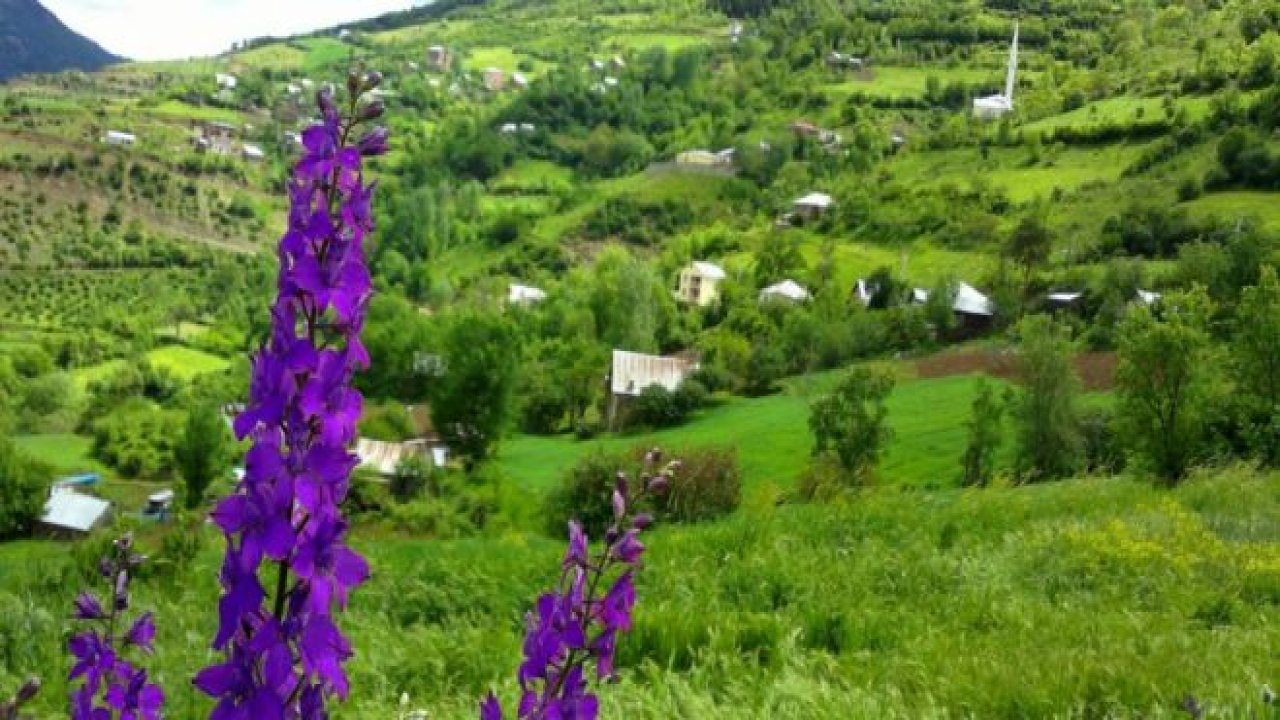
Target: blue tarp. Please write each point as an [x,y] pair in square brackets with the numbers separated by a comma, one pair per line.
[81,479]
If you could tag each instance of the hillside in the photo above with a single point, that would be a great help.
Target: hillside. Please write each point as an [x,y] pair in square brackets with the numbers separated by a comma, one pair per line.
[33,40]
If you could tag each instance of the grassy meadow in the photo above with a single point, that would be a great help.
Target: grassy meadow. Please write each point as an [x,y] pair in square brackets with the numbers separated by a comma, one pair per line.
[1088,598]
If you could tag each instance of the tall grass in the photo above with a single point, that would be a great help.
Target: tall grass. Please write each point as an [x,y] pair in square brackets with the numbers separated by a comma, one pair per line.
[1098,598]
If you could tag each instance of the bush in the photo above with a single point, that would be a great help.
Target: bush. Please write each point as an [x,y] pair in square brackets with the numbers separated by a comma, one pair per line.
[412,477]
[23,486]
[708,485]
[658,407]
[1103,450]
[391,423]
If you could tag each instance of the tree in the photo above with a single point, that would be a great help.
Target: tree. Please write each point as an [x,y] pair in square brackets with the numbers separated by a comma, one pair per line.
[471,402]
[203,452]
[779,259]
[1029,246]
[1049,441]
[849,424]
[412,477]
[1165,381]
[1256,366]
[986,433]
[24,484]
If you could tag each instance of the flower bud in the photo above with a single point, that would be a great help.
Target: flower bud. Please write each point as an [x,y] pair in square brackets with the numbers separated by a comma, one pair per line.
[355,84]
[373,143]
[619,505]
[373,110]
[324,100]
[28,691]
[372,80]
[122,590]
[620,483]
[658,484]
[642,521]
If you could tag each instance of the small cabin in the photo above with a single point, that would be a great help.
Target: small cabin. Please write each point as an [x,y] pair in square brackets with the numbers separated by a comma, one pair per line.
[786,291]
[438,58]
[120,139]
[631,373]
[71,514]
[524,295]
[252,153]
[494,79]
[699,283]
[813,206]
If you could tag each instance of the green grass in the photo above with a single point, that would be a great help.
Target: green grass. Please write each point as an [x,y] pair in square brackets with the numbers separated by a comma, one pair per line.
[1119,110]
[903,82]
[927,417]
[669,41]
[1240,203]
[533,176]
[323,53]
[185,362]
[65,453]
[178,110]
[1073,599]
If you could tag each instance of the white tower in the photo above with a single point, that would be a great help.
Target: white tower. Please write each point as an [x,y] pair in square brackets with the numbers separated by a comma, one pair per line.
[995,106]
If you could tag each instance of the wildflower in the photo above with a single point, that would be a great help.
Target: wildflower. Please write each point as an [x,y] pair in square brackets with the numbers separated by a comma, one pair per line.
[111,686]
[571,627]
[286,659]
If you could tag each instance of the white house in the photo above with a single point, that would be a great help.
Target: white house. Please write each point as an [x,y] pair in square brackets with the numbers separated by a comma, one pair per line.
[631,373]
[226,81]
[813,205]
[864,291]
[519,80]
[1147,297]
[524,295]
[115,137]
[968,301]
[700,283]
[71,512]
[384,457]
[252,153]
[1063,299]
[993,107]
[787,290]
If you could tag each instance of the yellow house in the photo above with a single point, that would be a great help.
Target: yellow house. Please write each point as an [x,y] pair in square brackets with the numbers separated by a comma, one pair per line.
[700,283]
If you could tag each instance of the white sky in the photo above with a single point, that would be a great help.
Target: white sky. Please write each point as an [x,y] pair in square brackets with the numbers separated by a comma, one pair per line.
[179,29]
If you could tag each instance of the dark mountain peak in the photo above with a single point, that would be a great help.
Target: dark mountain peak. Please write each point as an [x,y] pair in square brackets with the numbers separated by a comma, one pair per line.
[32,40]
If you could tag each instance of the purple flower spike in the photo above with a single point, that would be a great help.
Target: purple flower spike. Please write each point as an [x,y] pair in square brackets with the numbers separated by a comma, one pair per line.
[285,654]
[88,607]
[570,628]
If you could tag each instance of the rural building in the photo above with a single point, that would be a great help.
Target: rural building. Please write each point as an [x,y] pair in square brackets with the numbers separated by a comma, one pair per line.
[1064,300]
[226,81]
[72,482]
[159,504]
[438,58]
[785,291]
[517,128]
[293,89]
[383,457]
[524,295]
[706,158]
[216,137]
[842,61]
[1147,297]
[428,364]
[494,79]
[806,129]
[994,107]
[252,153]
[735,30]
[616,63]
[864,291]
[700,283]
[519,81]
[68,513]
[973,310]
[813,205]
[631,373]
[123,139]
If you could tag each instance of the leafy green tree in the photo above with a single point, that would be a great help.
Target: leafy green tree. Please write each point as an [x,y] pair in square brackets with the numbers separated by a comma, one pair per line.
[628,302]
[203,452]
[1165,381]
[471,402]
[779,259]
[24,485]
[849,424]
[1029,246]
[1047,411]
[986,434]
[1256,362]
[412,477]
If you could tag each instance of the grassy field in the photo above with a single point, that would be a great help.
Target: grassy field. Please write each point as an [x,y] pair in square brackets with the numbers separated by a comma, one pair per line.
[901,82]
[1102,598]
[927,417]
[183,362]
[1241,203]
[1119,110]
[65,453]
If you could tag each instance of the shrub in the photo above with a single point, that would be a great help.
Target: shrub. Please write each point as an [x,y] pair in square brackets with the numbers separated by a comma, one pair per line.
[708,485]
[1103,450]
[656,407]
[849,426]
[412,477]
[23,485]
[387,422]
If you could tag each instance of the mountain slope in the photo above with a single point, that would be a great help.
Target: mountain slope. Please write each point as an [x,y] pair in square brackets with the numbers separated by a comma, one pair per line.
[32,39]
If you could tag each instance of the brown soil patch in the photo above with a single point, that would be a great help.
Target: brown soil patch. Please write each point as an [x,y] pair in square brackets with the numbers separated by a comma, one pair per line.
[1097,370]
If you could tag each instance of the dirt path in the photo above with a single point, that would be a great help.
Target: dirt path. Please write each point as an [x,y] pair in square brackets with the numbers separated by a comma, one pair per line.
[1096,369]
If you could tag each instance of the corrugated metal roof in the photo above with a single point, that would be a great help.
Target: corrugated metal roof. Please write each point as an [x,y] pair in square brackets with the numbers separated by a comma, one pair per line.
[971,302]
[815,200]
[525,294]
[384,456]
[633,372]
[711,271]
[787,289]
[73,511]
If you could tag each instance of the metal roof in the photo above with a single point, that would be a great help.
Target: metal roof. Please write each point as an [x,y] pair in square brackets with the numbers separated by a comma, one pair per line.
[816,199]
[633,372]
[384,456]
[525,294]
[971,302]
[708,270]
[73,511]
[787,289]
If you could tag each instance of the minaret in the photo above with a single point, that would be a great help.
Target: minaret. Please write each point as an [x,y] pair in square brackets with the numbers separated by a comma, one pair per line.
[1012,77]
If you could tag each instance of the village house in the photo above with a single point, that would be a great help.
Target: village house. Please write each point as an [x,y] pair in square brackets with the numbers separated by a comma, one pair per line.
[226,81]
[974,311]
[631,373]
[68,513]
[218,138]
[494,79]
[842,61]
[252,153]
[785,291]
[438,58]
[699,283]
[806,129]
[120,139]
[519,81]
[1063,300]
[524,295]
[616,63]
[383,457]
[706,158]
[735,31]
[159,504]
[813,206]
[1147,297]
